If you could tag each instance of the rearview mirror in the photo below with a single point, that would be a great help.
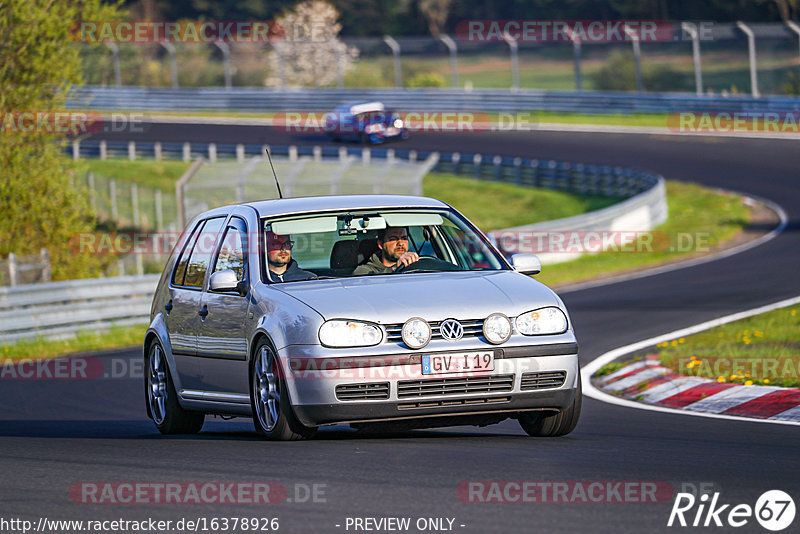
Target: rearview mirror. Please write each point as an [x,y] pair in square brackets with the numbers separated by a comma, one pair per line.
[526,263]
[226,281]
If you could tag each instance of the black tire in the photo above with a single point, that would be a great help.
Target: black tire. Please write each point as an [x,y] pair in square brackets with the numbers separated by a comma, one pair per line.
[163,406]
[555,425]
[273,416]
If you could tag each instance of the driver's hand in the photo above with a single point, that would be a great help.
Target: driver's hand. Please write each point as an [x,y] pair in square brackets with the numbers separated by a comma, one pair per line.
[407,259]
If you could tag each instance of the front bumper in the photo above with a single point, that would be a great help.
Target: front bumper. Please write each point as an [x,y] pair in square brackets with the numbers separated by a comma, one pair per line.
[313,386]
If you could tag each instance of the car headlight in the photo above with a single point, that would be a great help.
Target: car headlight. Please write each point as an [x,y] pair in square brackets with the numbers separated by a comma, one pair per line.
[497,328]
[398,123]
[343,333]
[416,333]
[542,321]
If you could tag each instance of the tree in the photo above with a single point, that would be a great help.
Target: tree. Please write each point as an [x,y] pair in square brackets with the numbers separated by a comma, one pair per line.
[310,50]
[38,66]
[435,13]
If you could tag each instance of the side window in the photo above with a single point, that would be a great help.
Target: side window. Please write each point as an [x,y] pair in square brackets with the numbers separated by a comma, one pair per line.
[231,251]
[183,260]
[201,253]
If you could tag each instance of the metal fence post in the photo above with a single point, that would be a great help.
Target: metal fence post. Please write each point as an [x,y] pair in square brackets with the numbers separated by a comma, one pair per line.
[187,152]
[340,50]
[12,269]
[637,57]
[281,63]
[795,28]
[92,194]
[173,62]
[117,72]
[135,204]
[395,46]
[76,150]
[576,54]
[691,29]
[159,210]
[103,149]
[157,150]
[240,153]
[751,48]
[45,261]
[212,152]
[112,193]
[451,46]
[514,51]
[226,61]
[132,150]
[179,196]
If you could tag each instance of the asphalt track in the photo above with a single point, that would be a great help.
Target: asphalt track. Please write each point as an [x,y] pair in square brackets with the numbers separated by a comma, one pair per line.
[55,433]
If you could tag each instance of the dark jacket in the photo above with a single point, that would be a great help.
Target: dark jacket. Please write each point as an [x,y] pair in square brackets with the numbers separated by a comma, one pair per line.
[374,266]
[293,273]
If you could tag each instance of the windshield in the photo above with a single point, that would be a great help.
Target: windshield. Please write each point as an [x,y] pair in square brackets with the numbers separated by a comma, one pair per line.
[372,243]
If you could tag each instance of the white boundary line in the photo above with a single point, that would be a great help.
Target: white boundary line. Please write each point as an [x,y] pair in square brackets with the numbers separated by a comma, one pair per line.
[590,368]
[784,220]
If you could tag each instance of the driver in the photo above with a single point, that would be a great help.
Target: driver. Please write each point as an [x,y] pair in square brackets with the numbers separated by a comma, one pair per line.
[392,253]
[280,262]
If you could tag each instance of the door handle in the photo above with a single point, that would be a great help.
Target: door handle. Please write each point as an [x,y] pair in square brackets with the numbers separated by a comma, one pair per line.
[168,306]
[203,312]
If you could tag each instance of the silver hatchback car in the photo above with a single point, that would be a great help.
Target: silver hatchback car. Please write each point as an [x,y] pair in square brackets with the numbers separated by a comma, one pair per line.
[373,311]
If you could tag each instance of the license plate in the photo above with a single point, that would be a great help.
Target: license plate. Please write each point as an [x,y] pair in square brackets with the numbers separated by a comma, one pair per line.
[465,362]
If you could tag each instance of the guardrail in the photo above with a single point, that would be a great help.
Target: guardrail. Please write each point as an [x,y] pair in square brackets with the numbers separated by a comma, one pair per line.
[62,308]
[255,99]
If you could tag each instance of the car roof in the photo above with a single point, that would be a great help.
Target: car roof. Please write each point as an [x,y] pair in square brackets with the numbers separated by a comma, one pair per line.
[361,107]
[289,206]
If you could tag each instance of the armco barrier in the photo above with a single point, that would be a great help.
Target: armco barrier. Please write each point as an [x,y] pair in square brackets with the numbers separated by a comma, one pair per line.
[62,308]
[256,99]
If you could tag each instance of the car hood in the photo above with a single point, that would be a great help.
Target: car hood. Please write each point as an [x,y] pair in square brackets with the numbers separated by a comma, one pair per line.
[394,298]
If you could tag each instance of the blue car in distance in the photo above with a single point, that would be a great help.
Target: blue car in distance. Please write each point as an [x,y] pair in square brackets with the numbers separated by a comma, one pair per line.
[366,122]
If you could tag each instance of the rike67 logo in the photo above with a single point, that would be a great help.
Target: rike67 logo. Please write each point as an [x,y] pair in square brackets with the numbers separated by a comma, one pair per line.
[774,510]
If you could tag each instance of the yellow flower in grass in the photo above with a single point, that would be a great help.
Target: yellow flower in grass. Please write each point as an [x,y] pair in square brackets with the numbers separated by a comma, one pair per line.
[766,380]
[758,333]
[682,340]
[720,379]
[748,383]
[674,343]
[794,312]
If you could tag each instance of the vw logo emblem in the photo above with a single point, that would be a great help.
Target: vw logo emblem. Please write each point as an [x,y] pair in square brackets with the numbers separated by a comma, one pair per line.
[451,330]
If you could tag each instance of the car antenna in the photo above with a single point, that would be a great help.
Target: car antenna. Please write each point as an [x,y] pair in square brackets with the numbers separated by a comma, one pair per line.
[277,183]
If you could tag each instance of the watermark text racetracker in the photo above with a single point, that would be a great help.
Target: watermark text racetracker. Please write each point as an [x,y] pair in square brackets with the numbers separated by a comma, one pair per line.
[508,241]
[564,492]
[457,121]
[585,31]
[69,122]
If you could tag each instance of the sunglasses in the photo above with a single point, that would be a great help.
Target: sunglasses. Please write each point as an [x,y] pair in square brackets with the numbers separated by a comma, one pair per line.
[285,245]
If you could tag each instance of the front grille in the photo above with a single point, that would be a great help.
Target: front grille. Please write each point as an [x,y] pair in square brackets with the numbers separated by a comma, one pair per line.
[454,386]
[455,402]
[543,380]
[373,391]
[472,328]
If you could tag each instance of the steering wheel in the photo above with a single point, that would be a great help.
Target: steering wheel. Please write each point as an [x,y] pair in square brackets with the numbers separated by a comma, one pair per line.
[427,263]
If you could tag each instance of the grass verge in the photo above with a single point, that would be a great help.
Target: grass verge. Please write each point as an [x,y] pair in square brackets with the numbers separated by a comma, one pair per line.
[84,341]
[700,219]
[760,350]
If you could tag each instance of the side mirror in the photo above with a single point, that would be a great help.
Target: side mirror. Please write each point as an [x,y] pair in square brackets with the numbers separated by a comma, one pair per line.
[226,280]
[526,263]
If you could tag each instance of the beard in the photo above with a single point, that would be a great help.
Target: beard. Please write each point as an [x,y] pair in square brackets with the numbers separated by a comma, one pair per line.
[278,261]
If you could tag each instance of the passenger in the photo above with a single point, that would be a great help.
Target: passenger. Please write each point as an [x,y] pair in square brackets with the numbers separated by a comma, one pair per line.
[280,262]
[392,253]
